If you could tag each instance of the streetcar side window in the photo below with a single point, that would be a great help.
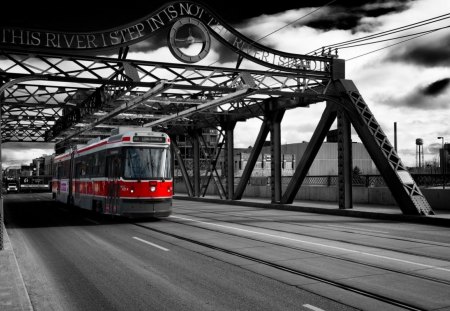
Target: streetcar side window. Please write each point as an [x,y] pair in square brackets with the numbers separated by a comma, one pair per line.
[113,166]
[95,164]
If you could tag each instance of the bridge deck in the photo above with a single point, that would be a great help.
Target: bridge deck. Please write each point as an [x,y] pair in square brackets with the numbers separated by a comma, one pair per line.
[374,211]
[335,262]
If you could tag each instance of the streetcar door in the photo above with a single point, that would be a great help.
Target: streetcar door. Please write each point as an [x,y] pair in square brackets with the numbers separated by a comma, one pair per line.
[113,165]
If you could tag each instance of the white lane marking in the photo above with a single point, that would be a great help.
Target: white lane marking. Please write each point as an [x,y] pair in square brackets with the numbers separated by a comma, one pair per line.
[92,221]
[312,307]
[319,244]
[355,228]
[150,243]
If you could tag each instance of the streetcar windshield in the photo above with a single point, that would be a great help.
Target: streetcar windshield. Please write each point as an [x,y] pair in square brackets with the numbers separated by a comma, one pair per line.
[147,163]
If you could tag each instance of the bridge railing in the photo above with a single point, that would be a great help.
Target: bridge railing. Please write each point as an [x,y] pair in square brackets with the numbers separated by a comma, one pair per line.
[422,180]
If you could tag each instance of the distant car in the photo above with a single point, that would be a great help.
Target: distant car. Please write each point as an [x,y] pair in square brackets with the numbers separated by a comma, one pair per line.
[12,187]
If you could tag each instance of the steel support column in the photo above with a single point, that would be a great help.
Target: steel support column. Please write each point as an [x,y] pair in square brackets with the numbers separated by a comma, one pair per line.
[327,119]
[345,172]
[275,150]
[196,161]
[397,177]
[184,172]
[254,154]
[229,157]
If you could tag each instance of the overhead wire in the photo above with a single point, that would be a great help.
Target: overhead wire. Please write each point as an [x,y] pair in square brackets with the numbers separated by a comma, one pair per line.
[405,36]
[348,43]
[421,35]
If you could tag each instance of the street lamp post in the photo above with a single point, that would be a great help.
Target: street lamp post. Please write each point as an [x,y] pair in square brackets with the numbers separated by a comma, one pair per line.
[441,162]
[2,89]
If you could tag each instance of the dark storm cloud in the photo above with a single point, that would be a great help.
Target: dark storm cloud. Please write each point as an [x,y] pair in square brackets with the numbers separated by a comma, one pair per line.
[348,15]
[424,98]
[437,87]
[84,16]
[429,53]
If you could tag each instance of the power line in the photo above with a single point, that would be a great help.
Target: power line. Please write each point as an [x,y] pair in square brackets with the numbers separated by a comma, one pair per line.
[390,45]
[312,12]
[405,36]
[385,33]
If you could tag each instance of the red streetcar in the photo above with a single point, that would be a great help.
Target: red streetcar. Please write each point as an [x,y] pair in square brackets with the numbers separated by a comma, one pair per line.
[128,174]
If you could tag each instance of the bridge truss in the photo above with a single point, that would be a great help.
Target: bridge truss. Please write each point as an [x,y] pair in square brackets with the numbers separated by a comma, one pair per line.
[73,96]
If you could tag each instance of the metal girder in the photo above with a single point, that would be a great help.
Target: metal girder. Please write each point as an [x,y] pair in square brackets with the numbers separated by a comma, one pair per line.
[199,108]
[158,89]
[397,177]
[196,161]
[107,80]
[275,149]
[327,119]
[345,170]
[99,70]
[228,127]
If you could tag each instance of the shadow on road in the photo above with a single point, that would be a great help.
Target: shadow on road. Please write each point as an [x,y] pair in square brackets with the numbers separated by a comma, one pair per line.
[39,210]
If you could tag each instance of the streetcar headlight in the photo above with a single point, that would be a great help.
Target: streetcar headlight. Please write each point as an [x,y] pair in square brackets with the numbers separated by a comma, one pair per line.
[153,185]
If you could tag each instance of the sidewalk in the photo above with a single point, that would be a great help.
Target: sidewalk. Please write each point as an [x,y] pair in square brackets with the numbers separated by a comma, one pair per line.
[386,212]
[13,294]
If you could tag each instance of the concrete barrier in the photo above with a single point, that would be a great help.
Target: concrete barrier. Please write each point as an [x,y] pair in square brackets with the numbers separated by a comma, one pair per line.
[439,199]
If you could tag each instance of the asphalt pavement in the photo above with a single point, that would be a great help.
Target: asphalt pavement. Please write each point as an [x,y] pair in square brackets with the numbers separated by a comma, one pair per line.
[218,257]
[72,260]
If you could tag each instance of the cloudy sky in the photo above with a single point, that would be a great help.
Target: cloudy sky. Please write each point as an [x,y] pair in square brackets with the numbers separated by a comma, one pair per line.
[407,83]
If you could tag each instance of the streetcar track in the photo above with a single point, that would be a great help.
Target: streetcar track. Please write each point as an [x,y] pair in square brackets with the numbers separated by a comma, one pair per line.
[423,243]
[342,229]
[346,287]
[366,293]
[322,254]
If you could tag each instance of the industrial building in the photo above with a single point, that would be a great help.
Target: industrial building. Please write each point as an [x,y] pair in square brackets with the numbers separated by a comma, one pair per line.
[325,163]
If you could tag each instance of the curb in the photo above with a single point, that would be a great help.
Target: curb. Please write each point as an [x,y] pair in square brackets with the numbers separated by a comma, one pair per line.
[14,294]
[426,220]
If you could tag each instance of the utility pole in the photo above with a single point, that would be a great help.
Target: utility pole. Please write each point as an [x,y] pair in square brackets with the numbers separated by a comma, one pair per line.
[441,162]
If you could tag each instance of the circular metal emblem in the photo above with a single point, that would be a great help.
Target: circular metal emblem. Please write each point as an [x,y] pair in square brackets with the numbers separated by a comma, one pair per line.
[189,40]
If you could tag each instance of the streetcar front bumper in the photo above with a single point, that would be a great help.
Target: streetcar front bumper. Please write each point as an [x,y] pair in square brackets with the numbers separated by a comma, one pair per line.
[141,208]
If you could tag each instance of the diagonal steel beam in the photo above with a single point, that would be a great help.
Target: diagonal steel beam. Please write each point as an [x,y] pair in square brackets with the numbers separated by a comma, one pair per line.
[211,104]
[256,150]
[158,89]
[396,175]
[327,119]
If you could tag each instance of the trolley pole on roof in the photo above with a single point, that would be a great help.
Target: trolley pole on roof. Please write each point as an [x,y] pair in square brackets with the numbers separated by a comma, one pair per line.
[2,89]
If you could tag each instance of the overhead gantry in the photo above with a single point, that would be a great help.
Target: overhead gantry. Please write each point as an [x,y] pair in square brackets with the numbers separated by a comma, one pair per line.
[80,95]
